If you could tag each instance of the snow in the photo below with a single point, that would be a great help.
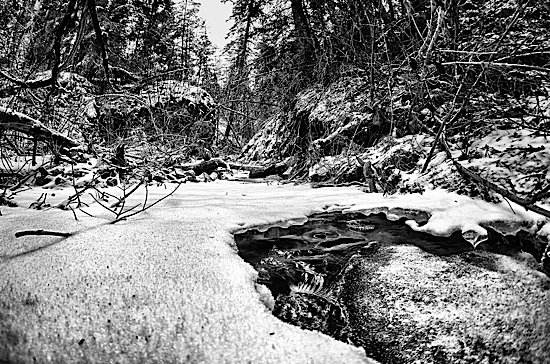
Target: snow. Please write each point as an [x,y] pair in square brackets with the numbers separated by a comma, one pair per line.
[170,275]
[451,212]
[179,259]
[517,159]
[165,91]
[545,231]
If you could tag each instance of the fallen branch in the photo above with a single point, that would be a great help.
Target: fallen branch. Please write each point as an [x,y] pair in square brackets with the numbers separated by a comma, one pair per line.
[119,72]
[41,232]
[146,207]
[123,199]
[343,131]
[527,204]
[31,84]
[245,167]
[343,184]
[23,123]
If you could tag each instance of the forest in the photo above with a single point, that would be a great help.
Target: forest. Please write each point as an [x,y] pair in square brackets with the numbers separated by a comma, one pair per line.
[393,98]
[134,73]
[301,81]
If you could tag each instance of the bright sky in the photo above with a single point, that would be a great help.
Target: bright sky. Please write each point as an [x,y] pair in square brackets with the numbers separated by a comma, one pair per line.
[216,15]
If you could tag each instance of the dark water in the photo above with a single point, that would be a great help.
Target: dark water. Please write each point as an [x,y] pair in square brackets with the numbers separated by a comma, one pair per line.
[318,273]
[312,256]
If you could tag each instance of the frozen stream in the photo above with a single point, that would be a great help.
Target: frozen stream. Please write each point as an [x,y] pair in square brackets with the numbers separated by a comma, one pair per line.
[321,272]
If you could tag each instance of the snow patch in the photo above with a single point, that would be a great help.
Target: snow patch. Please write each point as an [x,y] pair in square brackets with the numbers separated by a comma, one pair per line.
[450,212]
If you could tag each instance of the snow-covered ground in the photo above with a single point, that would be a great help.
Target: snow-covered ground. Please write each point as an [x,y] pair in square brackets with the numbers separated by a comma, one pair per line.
[167,285]
[516,160]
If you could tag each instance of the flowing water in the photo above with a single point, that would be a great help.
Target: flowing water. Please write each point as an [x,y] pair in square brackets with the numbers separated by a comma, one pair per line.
[324,276]
[304,265]
[316,253]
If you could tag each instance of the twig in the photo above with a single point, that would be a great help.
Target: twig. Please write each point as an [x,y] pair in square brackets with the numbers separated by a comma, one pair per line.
[498,64]
[64,204]
[87,213]
[146,195]
[126,195]
[521,55]
[122,203]
[146,207]
[74,213]
[236,112]
[75,190]
[41,232]
[24,179]
[130,209]
[437,136]
[102,205]
[465,52]
[509,205]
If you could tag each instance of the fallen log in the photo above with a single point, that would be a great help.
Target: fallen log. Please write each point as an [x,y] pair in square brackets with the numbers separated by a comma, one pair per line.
[208,166]
[13,120]
[256,171]
[245,167]
[277,168]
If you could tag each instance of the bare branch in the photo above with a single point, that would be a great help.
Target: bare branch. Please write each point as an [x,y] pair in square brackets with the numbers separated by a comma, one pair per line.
[41,232]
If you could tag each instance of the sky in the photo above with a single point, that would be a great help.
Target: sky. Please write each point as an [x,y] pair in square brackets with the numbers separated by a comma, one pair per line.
[216,15]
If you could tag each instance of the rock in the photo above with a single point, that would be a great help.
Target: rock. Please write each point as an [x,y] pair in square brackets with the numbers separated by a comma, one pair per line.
[43,180]
[191,109]
[158,177]
[111,181]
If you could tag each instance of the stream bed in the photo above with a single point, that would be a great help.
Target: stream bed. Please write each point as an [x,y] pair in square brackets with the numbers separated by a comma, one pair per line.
[403,296]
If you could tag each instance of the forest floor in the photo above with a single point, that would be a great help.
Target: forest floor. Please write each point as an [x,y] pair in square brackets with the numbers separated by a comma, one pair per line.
[164,286]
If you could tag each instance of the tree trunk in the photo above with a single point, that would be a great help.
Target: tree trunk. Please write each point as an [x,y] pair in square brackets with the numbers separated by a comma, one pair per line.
[23,49]
[57,42]
[303,34]
[99,38]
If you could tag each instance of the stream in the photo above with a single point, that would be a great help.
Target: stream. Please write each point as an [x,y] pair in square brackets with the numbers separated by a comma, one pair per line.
[317,252]
[312,272]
